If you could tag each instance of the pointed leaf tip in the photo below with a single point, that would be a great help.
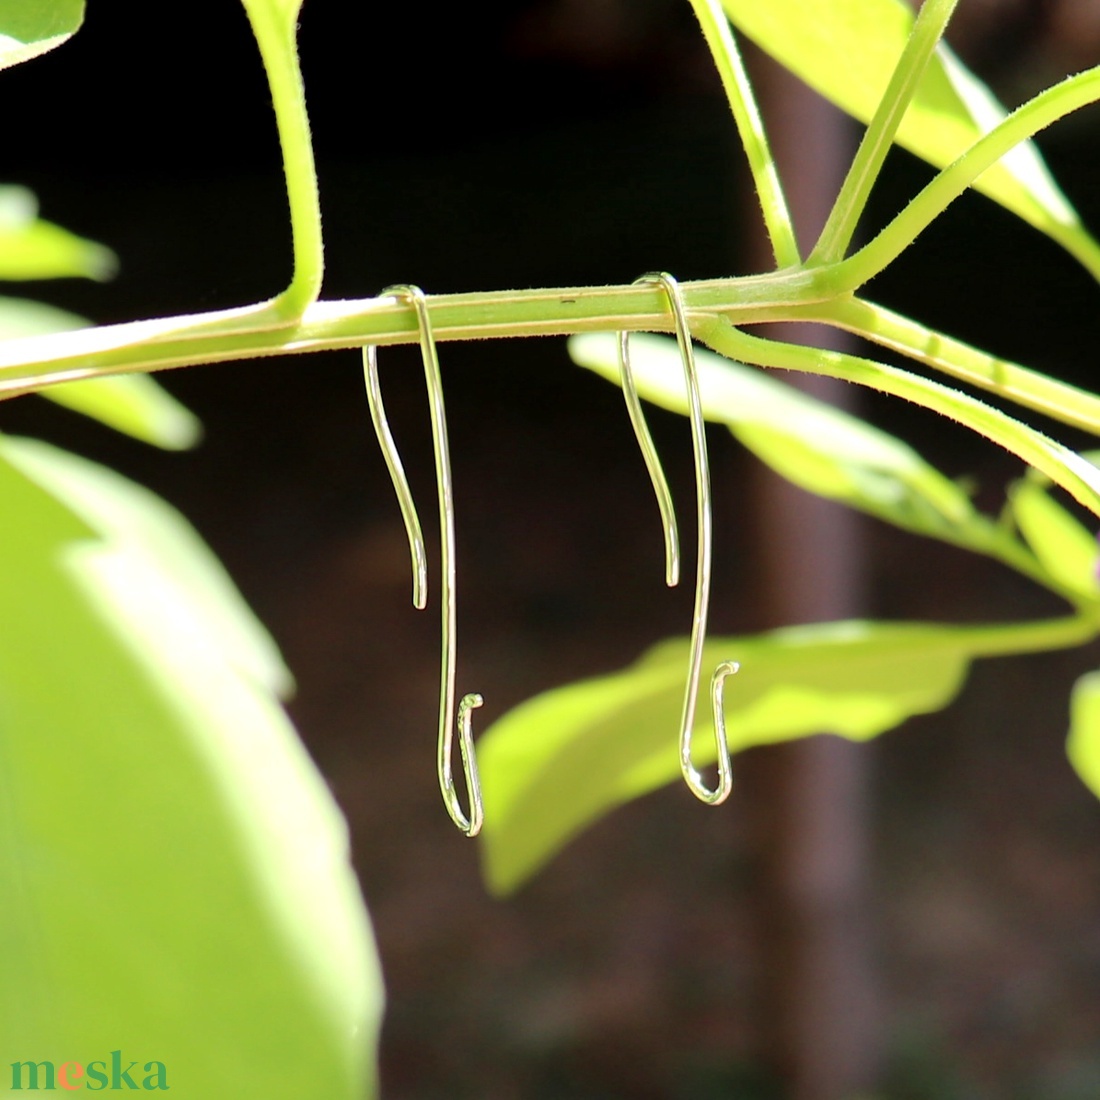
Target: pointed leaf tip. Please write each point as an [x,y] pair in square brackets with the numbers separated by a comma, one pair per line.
[29,28]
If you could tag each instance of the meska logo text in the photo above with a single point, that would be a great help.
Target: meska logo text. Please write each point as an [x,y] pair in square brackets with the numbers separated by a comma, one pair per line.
[94,1077]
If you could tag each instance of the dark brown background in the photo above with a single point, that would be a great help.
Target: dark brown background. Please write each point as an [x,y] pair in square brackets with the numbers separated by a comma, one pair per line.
[502,144]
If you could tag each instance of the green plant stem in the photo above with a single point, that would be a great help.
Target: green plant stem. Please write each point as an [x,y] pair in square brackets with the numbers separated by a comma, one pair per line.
[1064,467]
[1032,389]
[259,330]
[927,30]
[1047,107]
[750,127]
[275,31]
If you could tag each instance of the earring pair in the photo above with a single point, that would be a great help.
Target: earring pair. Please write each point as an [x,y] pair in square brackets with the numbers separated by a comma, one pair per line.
[471,825]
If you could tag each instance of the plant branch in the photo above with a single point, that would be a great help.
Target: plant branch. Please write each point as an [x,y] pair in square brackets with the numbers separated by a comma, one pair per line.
[1071,94]
[275,30]
[879,135]
[1064,467]
[1029,637]
[1030,388]
[252,331]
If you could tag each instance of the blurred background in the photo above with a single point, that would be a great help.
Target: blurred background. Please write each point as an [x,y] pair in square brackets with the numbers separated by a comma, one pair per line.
[558,142]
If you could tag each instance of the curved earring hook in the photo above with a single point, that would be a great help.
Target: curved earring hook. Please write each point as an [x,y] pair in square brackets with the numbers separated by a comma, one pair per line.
[702,570]
[397,476]
[652,462]
[471,825]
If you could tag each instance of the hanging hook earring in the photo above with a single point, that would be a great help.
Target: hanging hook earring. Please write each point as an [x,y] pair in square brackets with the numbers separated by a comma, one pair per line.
[702,570]
[471,825]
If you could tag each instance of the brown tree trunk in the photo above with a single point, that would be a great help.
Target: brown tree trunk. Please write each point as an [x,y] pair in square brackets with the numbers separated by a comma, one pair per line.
[808,798]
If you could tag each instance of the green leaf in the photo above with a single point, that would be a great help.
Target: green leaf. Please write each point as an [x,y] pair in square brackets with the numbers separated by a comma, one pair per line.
[1083,744]
[173,868]
[21,317]
[31,248]
[847,50]
[818,447]
[134,404]
[32,27]
[561,760]
[124,513]
[1062,545]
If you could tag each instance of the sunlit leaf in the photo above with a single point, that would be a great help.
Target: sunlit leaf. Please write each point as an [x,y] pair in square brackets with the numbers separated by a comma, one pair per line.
[126,515]
[18,206]
[818,447]
[1063,546]
[134,404]
[31,27]
[1083,745]
[174,872]
[23,317]
[559,761]
[31,248]
[847,49]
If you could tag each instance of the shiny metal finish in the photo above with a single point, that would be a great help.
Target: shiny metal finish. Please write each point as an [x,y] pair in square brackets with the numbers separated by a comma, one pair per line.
[471,825]
[703,561]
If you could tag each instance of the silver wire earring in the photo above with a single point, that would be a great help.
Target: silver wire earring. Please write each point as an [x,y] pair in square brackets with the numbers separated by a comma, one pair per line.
[471,825]
[703,561]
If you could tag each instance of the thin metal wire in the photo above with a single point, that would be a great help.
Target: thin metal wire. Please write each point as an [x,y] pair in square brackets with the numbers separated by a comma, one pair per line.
[702,570]
[725,765]
[471,825]
[652,462]
[397,476]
